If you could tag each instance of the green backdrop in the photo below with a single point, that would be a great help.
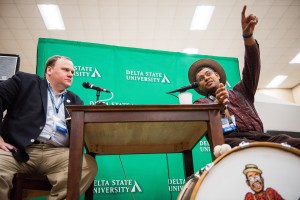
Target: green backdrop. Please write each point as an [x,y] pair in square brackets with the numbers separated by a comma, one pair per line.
[135,76]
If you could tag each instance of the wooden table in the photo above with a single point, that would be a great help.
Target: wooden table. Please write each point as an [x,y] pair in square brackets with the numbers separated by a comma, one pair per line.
[139,129]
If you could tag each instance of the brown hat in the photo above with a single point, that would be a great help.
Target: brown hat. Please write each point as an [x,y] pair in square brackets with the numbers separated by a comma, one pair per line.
[206,63]
[251,168]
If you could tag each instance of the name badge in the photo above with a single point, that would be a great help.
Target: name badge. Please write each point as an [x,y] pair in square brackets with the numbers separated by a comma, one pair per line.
[228,124]
[60,125]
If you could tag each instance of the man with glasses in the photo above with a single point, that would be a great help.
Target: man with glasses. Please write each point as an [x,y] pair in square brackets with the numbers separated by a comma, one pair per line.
[240,120]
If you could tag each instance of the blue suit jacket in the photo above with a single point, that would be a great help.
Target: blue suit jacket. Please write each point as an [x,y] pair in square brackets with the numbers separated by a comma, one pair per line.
[24,96]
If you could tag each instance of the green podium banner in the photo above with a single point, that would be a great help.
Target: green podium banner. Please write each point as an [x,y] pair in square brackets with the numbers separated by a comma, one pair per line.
[134,76]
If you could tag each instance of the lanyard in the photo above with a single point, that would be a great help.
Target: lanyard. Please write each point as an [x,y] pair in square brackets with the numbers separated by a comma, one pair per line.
[53,101]
[212,98]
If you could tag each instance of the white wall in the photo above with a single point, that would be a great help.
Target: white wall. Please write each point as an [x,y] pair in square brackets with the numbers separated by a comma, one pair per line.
[277,114]
[284,94]
[296,94]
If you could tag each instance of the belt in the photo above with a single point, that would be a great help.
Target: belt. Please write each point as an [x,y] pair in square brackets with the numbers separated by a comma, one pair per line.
[39,142]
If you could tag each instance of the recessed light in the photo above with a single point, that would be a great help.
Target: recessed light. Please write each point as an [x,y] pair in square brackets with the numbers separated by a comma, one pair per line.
[296,59]
[51,16]
[276,81]
[202,17]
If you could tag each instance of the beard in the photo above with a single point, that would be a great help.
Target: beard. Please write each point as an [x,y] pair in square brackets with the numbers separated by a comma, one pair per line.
[211,90]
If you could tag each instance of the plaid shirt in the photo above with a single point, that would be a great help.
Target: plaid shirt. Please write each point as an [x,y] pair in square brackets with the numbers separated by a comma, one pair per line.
[242,96]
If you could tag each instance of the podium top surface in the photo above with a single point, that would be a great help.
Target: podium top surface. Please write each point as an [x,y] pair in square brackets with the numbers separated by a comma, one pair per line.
[91,108]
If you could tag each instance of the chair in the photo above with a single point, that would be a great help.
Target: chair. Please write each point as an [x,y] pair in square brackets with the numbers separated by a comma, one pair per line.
[29,185]
[32,185]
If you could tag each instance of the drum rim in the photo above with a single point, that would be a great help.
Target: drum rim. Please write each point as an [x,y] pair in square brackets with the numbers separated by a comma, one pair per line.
[292,150]
[182,191]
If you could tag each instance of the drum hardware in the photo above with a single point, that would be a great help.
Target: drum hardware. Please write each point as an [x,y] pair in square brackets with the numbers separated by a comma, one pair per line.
[196,175]
[286,145]
[244,144]
[206,168]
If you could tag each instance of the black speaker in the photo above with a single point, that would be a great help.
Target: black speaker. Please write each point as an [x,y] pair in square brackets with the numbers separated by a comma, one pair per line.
[9,65]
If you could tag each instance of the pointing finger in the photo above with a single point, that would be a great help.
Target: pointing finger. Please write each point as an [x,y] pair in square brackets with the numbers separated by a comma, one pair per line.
[243,12]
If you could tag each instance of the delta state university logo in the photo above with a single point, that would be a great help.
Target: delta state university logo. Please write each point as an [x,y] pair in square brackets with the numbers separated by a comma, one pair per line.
[116,186]
[86,71]
[146,76]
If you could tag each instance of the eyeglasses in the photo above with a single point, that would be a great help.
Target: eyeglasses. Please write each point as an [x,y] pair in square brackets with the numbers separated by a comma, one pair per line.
[201,78]
[254,178]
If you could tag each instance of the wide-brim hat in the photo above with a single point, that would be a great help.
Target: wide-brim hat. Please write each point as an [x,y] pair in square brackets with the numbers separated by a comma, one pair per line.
[251,168]
[194,68]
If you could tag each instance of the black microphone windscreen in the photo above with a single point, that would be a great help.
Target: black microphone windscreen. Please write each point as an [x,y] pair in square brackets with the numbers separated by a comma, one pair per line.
[194,85]
[86,85]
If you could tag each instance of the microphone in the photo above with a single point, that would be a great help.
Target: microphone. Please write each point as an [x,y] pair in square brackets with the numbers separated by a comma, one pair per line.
[91,86]
[182,89]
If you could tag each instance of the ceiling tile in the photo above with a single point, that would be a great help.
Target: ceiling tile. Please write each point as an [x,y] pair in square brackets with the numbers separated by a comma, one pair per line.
[6,35]
[9,10]
[70,11]
[21,34]
[276,11]
[27,45]
[15,23]
[29,10]
[128,11]
[110,24]
[91,24]
[10,44]
[147,11]
[34,23]
[89,11]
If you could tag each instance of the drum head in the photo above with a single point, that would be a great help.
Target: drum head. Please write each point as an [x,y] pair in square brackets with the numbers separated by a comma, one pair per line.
[275,166]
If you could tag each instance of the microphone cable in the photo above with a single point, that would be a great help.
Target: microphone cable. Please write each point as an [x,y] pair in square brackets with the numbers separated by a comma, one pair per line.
[168,170]
[125,176]
[112,95]
[174,95]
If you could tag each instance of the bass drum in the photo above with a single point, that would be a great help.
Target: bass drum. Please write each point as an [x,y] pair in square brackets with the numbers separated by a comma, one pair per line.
[274,167]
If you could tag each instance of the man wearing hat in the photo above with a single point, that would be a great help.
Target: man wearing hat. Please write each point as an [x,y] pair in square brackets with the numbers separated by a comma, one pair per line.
[240,121]
[255,181]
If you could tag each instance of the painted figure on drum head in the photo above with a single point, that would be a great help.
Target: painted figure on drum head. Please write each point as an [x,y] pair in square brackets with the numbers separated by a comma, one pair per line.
[255,181]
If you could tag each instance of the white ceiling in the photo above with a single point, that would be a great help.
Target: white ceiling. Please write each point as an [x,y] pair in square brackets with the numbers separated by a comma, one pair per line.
[161,25]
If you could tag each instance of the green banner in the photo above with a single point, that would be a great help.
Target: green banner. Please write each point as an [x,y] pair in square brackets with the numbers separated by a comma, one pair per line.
[134,76]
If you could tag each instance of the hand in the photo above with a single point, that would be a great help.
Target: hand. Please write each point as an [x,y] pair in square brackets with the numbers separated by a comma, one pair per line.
[248,23]
[5,146]
[222,95]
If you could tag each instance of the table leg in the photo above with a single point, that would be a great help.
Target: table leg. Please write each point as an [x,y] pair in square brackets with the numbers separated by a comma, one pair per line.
[214,130]
[75,155]
[188,163]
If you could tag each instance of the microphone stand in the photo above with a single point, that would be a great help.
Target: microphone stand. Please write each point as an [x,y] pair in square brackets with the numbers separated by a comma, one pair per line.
[98,98]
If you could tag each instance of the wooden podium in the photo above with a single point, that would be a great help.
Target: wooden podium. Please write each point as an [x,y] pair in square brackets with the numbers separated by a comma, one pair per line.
[139,129]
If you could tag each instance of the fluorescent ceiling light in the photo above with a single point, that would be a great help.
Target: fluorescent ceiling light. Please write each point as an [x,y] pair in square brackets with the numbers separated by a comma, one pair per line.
[276,81]
[202,17]
[296,59]
[191,50]
[51,16]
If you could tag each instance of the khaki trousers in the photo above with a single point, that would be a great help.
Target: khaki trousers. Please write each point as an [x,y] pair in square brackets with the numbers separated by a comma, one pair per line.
[47,160]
